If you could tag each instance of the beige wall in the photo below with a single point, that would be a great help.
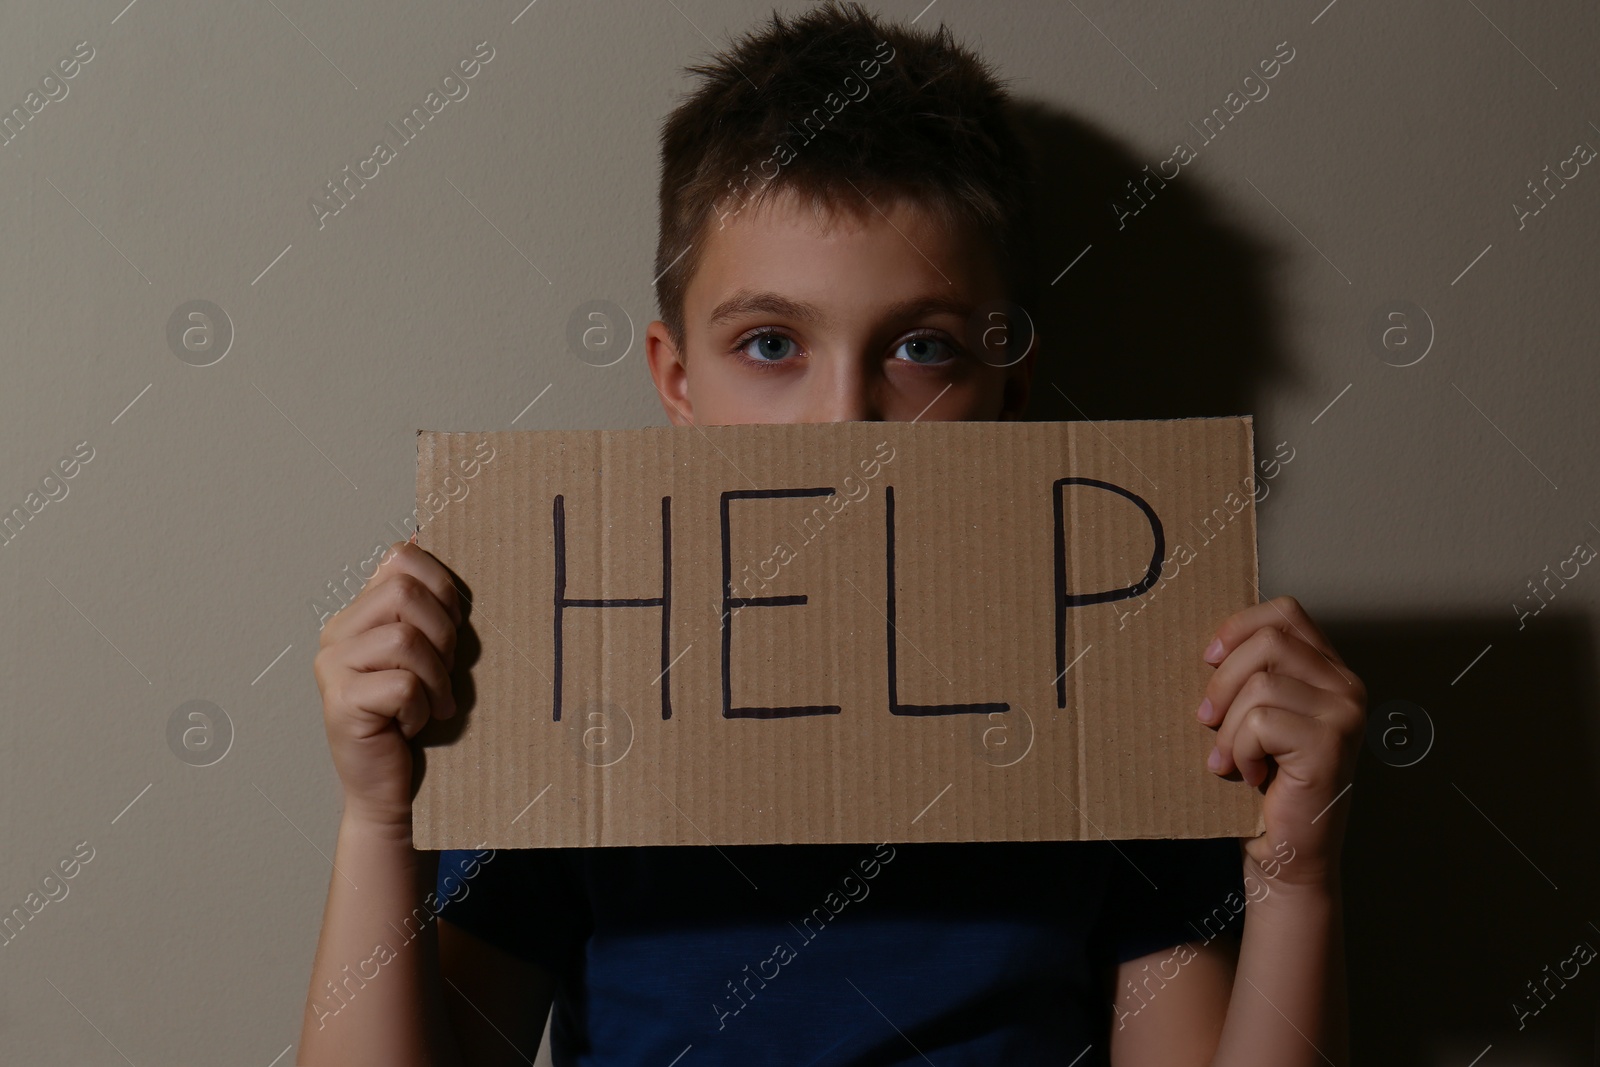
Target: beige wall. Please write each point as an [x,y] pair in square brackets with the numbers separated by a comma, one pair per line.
[1381,168]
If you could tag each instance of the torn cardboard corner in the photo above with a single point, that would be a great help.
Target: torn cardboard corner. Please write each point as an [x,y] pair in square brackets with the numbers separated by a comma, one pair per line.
[840,632]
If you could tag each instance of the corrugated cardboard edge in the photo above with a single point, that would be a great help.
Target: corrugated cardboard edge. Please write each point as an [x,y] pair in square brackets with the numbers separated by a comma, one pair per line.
[1255,554]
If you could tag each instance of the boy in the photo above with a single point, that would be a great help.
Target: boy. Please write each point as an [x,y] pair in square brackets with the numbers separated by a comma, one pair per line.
[830,232]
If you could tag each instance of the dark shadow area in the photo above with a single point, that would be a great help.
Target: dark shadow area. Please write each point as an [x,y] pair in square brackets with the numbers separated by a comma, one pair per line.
[1471,871]
[1168,314]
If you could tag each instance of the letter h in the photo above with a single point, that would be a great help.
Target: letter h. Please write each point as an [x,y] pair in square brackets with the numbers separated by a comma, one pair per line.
[664,601]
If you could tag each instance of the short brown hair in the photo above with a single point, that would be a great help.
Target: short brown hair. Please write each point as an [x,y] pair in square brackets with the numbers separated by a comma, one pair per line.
[932,125]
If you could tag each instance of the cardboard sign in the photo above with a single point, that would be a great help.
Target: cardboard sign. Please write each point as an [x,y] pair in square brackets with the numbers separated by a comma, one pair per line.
[841,632]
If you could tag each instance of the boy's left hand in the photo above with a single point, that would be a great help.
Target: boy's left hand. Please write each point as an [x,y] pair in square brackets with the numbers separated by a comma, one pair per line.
[1281,690]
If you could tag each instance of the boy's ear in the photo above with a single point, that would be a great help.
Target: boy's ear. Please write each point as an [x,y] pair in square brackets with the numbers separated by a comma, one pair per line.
[1019,381]
[670,374]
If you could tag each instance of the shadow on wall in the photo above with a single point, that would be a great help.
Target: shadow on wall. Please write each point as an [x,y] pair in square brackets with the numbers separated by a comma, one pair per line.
[1464,880]
[1466,888]
[1167,314]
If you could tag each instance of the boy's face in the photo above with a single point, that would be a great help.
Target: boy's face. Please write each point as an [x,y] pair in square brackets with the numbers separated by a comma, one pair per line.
[794,319]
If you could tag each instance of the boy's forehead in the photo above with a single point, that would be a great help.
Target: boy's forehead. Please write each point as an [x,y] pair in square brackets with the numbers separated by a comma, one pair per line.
[882,254]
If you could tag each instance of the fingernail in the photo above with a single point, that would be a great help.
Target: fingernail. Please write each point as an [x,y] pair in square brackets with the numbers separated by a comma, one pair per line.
[1214,761]
[1204,714]
[1213,651]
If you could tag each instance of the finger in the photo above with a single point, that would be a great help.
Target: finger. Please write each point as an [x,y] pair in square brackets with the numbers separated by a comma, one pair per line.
[1273,651]
[403,598]
[394,694]
[401,646]
[1277,692]
[1284,613]
[1266,731]
[403,557]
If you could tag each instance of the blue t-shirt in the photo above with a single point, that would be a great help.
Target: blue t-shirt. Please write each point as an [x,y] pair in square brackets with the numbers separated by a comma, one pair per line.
[959,953]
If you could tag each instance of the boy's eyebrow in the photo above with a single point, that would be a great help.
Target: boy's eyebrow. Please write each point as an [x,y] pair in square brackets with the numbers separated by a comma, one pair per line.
[752,301]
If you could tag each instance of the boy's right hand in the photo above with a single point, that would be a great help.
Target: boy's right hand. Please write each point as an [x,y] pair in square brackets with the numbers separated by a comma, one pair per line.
[384,670]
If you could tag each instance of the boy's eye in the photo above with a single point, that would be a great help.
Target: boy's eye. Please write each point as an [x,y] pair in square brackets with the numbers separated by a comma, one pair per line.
[925,350]
[768,347]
